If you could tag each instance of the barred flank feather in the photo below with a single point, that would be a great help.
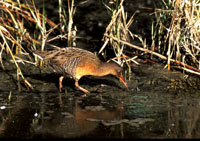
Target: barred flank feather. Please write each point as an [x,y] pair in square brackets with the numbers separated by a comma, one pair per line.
[65,60]
[76,62]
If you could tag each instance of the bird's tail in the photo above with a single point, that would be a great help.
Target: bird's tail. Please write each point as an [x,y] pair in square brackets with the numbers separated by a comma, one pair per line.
[39,54]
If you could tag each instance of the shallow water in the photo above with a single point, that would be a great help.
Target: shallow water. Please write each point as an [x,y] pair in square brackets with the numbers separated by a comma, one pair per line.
[153,107]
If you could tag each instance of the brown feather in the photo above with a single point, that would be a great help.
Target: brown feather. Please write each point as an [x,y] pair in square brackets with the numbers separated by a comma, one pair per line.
[76,62]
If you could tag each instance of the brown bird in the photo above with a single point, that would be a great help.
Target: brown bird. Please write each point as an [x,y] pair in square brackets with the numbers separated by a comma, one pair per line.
[76,62]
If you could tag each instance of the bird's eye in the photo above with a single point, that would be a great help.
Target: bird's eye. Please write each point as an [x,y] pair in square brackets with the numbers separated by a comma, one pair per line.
[119,72]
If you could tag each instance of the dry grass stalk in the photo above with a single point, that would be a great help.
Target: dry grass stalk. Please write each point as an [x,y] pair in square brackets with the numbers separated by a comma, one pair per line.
[186,66]
[15,21]
[118,28]
[71,31]
[182,40]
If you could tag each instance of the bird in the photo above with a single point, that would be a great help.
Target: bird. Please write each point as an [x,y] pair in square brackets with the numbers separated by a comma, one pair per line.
[75,63]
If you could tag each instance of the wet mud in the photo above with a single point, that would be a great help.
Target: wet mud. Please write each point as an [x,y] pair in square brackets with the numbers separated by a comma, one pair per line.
[158,104]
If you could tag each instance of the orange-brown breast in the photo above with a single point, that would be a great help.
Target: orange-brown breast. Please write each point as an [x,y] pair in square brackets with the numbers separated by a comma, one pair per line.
[88,65]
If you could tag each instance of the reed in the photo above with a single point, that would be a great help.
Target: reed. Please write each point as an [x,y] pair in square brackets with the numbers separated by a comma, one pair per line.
[67,27]
[175,35]
[15,23]
[177,30]
[118,28]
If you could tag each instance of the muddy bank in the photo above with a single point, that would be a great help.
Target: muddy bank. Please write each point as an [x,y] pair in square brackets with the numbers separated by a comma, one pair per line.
[157,105]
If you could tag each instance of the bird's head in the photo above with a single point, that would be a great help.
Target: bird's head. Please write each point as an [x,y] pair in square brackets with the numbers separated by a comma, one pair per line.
[116,70]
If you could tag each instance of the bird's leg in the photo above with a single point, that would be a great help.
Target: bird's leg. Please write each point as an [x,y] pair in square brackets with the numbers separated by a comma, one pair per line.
[60,83]
[80,88]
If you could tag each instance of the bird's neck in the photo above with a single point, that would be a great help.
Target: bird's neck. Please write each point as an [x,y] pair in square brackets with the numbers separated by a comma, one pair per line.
[103,69]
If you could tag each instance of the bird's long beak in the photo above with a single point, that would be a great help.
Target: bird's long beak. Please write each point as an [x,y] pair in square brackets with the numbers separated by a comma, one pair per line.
[121,78]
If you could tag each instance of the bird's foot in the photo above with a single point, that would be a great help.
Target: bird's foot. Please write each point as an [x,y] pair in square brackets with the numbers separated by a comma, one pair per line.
[80,88]
[60,83]
[83,90]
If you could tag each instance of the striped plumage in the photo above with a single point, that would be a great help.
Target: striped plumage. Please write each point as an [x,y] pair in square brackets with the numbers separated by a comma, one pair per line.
[76,62]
